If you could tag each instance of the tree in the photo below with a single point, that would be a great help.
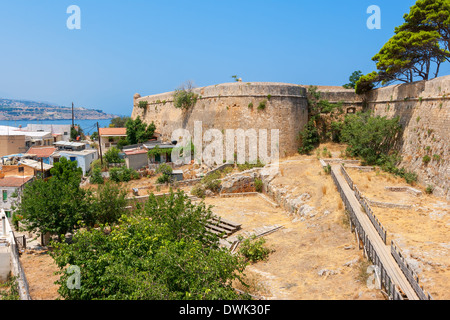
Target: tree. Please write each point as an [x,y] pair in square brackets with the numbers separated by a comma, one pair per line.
[320,111]
[417,49]
[119,122]
[106,205]
[77,133]
[138,131]
[162,252]
[57,205]
[112,155]
[353,79]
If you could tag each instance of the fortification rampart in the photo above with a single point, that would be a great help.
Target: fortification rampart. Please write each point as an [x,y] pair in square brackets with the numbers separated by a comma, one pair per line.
[423,108]
[233,106]
[424,111]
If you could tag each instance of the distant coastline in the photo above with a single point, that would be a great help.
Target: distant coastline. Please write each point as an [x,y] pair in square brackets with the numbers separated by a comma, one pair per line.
[89,126]
[23,110]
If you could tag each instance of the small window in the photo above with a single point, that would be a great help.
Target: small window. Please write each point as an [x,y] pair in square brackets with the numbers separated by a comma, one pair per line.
[8,214]
[73,159]
[65,133]
[5,195]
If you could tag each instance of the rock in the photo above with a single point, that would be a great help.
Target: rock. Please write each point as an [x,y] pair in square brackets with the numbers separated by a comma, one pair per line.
[326,272]
[351,263]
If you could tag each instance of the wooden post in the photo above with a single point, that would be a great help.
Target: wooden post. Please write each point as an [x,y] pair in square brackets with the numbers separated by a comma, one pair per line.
[100,145]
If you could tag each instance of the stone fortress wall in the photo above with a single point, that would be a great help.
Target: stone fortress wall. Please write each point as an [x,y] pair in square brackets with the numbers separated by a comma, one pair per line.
[423,108]
[424,111]
[226,106]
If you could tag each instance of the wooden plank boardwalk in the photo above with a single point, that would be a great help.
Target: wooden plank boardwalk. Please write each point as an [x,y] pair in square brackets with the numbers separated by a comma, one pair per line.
[383,251]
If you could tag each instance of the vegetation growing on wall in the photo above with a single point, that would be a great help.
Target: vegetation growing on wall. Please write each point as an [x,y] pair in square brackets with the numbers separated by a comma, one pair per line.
[184,97]
[321,113]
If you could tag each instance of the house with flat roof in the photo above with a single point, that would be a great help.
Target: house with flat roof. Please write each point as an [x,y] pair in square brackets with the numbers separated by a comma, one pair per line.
[84,158]
[136,158]
[41,169]
[17,140]
[60,132]
[70,146]
[109,137]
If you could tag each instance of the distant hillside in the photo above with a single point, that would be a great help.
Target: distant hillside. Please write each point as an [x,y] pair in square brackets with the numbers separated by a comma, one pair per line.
[33,110]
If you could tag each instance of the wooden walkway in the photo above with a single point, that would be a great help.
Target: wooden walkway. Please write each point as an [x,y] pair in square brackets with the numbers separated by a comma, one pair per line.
[383,251]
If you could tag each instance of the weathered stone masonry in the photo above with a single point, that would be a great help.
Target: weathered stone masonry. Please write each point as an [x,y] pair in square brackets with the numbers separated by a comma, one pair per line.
[423,108]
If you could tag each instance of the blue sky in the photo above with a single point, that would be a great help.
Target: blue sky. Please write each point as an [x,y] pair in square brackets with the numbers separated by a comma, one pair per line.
[149,47]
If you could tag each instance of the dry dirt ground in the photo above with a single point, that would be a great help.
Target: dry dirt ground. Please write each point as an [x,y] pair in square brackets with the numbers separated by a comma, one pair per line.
[39,269]
[301,251]
[422,232]
[315,257]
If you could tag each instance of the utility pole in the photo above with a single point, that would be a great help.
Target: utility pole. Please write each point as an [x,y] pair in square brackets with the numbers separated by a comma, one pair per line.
[100,145]
[73,125]
[42,168]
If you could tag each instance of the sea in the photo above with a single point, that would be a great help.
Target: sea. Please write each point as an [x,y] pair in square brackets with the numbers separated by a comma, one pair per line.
[88,126]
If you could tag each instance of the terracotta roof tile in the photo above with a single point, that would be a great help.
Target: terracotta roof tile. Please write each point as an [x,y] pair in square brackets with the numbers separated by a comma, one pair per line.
[41,152]
[14,182]
[112,131]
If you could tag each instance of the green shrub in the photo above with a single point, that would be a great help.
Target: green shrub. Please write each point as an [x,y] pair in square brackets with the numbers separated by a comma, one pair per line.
[248,166]
[429,189]
[252,249]
[250,105]
[309,138]
[327,169]
[143,104]
[123,174]
[262,105]
[112,156]
[97,177]
[436,157]
[184,99]
[166,176]
[426,159]
[258,185]
[198,191]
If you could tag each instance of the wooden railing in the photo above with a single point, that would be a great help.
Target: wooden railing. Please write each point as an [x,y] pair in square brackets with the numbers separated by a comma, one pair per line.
[376,223]
[409,273]
[386,282]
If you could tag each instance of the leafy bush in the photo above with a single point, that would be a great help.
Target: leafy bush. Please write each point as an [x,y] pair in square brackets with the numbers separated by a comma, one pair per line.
[157,253]
[309,138]
[166,175]
[142,104]
[184,99]
[252,249]
[97,177]
[112,156]
[9,290]
[426,159]
[262,105]
[248,166]
[198,191]
[123,174]
[429,189]
[369,137]
[259,185]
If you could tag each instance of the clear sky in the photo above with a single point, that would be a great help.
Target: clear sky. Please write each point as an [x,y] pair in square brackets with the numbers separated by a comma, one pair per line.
[149,47]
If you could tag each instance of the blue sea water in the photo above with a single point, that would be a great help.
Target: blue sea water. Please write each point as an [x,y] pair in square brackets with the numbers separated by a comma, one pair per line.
[88,126]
